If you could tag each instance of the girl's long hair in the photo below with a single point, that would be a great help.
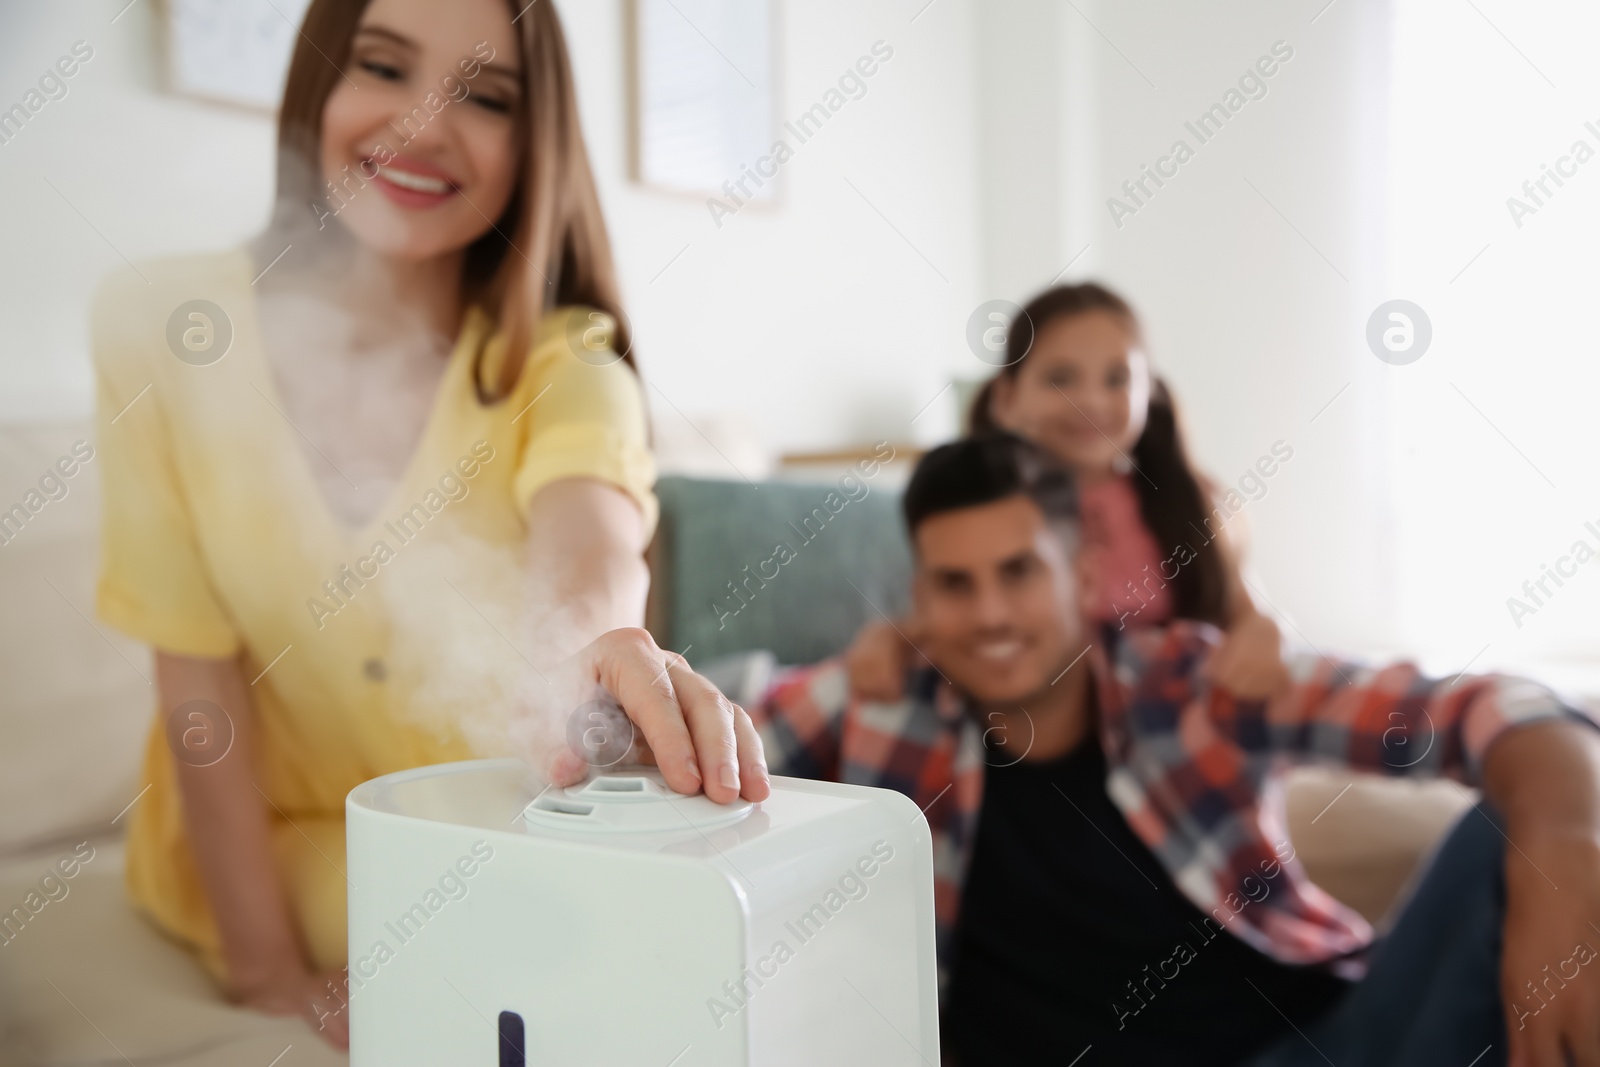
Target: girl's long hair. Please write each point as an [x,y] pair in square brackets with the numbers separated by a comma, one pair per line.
[1171,498]
[548,250]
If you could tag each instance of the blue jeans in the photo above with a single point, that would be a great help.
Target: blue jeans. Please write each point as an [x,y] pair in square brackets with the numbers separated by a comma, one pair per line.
[1432,994]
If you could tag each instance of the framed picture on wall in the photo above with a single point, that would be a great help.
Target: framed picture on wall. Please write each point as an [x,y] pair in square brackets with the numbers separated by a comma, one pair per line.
[705,95]
[234,51]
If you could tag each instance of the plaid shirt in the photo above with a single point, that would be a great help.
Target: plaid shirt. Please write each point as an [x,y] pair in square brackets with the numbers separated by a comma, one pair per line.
[1194,771]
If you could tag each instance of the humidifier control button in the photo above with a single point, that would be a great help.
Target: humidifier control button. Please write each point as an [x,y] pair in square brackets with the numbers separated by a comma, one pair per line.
[621,789]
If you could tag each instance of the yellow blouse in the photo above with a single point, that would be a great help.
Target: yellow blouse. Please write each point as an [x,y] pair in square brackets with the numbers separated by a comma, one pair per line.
[367,650]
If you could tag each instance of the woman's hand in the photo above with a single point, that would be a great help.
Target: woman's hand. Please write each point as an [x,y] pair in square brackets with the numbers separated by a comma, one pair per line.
[1249,661]
[876,662]
[679,721]
[228,823]
[319,999]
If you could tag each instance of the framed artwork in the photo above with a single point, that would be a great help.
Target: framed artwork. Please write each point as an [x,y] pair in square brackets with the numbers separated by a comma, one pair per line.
[705,93]
[234,51]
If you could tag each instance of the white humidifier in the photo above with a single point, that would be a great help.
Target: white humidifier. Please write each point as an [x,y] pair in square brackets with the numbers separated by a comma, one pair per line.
[621,923]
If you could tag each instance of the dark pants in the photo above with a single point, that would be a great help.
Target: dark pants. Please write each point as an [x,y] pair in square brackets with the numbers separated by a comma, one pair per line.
[1432,993]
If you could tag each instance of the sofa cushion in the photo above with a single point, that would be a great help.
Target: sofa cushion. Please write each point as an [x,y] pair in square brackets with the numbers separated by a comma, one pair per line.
[87,981]
[791,567]
[78,695]
[1364,838]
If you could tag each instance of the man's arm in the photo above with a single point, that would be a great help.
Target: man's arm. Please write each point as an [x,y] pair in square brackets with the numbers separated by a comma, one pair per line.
[1391,719]
[1544,780]
[1537,760]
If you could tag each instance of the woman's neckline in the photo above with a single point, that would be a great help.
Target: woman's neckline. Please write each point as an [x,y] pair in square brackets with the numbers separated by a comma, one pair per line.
[301,474]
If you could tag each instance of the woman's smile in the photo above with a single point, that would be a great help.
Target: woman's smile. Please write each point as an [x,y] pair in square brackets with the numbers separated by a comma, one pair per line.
[413,184]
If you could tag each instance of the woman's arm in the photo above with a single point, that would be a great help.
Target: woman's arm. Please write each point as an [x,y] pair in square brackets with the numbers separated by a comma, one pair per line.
[586,554]
[229,830]
[587,577]
[586,557]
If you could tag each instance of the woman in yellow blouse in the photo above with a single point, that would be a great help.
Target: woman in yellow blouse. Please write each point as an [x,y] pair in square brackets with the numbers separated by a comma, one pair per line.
[372,478]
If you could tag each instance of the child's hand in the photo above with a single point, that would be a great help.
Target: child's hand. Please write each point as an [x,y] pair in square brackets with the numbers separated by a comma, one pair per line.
[876,662]
[1249,661]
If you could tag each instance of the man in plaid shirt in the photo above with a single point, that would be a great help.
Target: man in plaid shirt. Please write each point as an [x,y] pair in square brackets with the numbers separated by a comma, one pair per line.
[1165,920]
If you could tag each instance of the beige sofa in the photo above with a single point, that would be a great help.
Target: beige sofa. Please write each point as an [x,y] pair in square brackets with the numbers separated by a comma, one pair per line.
[86,981]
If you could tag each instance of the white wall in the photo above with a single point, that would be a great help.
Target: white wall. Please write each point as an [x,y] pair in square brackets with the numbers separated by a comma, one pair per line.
[1493,456]
[814,320]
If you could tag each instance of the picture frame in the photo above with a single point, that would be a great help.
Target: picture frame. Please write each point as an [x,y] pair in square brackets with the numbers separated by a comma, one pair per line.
[704,92]
[232,51]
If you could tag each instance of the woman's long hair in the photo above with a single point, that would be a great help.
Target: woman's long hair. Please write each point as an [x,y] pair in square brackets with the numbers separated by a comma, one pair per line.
[1171,499]
[549,249]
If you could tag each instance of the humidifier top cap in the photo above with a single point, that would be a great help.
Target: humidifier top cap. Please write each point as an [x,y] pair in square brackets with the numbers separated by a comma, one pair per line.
[624,805]
[632,801]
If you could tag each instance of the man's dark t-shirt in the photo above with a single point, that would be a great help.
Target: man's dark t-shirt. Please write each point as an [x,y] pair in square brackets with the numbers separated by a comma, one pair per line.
[1072,935]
